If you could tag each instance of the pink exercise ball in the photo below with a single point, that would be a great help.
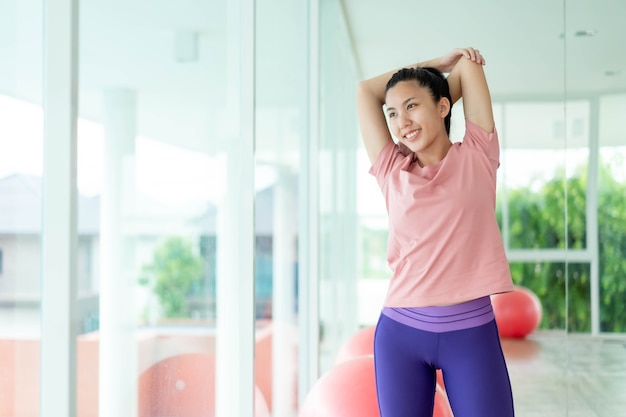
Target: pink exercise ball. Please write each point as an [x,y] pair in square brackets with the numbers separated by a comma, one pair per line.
[349,390]
[518,313]
[359,344]
[184,386]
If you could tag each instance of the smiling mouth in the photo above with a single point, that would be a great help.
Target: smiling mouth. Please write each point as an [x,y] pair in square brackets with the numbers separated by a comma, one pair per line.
[412,135]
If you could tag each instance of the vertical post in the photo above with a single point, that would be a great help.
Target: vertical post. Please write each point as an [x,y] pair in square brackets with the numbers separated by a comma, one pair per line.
[308,276]
[283,306]
[234,387]
[59,240]
[118,359]
[592,214]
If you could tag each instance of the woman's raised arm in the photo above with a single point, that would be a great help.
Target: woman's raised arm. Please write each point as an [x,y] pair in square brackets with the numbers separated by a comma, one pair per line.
[371,96]
[471,84]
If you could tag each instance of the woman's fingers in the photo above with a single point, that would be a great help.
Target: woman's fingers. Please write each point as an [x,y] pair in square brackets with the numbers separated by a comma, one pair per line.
[474,55]
[448,61]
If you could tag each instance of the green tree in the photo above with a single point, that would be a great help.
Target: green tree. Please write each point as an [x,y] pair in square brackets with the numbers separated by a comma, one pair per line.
[174,269]
[537,221]
[612,248]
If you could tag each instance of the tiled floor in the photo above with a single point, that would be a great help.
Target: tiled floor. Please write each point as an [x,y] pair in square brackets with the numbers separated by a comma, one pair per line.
[567,375]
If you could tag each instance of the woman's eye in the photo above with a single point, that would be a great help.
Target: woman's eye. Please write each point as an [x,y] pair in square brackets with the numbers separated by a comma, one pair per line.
[392,114]
[410,105]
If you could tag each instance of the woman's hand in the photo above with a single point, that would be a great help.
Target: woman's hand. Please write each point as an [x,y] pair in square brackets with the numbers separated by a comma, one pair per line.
[448,61]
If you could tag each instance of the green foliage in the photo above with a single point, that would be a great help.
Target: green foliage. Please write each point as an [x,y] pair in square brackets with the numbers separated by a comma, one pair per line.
[612,245]
[174,270]
[537,221]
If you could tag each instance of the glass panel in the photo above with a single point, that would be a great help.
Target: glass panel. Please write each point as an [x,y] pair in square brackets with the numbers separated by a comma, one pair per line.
[339,142]
[578,298]
[596,290]
[153,129]
[21,166]
[533,170]
[612,213]
[547,281]
[281,128]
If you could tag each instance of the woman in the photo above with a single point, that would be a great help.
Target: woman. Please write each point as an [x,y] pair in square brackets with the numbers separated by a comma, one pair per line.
[445,247]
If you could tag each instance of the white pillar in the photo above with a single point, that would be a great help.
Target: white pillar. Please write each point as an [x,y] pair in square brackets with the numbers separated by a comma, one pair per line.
[59,241]
[118,347]
[234,343]
[234,339]
[283,295]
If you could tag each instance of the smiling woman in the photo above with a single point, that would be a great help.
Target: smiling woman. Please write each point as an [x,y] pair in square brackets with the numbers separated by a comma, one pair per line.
[559,156]
[233,126]
[445,250]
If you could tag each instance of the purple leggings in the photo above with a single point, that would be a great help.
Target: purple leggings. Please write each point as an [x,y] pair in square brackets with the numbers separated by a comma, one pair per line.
[474,370]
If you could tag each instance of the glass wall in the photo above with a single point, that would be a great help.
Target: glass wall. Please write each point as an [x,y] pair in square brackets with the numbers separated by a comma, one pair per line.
[187,151]
[281,134]
[21,168]
[158,97]
[611,189]
[599,85]
[229,239]
[338,220]
[178,193]
[595,87]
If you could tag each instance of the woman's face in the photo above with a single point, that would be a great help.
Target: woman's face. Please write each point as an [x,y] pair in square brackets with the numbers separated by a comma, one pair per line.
[415,118]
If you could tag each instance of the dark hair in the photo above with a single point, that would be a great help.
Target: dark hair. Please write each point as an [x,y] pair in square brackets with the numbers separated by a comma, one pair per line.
[427,77]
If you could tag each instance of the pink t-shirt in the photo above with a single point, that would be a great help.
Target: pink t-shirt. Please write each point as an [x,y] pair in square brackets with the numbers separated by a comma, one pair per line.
[444,243]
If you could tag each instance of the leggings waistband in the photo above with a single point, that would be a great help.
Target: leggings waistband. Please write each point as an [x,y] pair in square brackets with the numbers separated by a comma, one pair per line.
[444,318]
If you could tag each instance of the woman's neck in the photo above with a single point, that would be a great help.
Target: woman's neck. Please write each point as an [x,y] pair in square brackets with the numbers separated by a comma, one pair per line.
[434,155]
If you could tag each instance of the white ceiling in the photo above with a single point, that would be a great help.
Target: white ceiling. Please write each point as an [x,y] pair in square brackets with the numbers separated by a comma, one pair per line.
[530,46]
[533,49]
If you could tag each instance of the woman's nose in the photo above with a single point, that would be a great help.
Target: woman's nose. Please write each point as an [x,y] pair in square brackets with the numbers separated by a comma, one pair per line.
[403,121]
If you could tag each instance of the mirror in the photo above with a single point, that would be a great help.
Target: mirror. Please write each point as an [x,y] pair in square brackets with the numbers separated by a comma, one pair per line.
[596,190]
[558,90]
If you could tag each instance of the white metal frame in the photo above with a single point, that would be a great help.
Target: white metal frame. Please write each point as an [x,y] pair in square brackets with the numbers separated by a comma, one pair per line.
[59,237]
[308,275]
[592,213]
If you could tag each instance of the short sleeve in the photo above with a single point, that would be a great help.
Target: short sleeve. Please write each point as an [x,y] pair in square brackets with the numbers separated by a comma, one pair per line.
[487,143]
[386,160]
